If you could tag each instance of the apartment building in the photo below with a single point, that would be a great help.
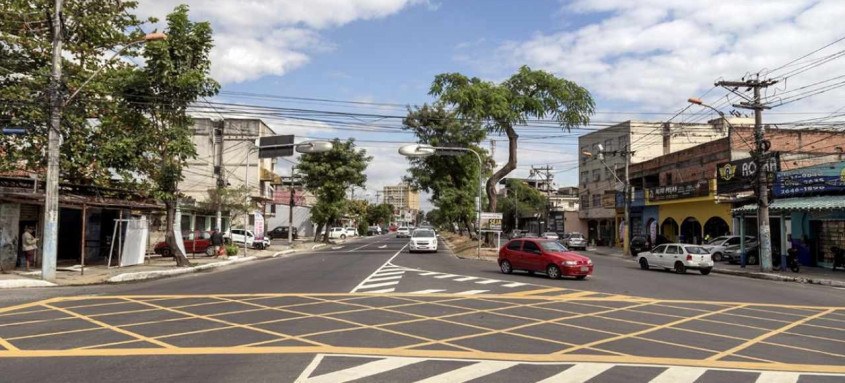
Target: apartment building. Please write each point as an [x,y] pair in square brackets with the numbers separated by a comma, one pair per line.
[405,201]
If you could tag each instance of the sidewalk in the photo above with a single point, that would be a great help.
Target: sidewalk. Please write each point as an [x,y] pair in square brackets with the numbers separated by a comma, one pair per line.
[156,267]
[813,275]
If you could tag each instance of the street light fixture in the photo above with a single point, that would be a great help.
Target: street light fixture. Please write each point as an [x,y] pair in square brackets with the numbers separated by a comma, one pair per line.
[424,150]
[51,190]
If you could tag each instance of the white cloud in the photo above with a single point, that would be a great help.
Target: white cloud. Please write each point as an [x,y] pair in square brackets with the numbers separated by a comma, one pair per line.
[654,54]
[272,37]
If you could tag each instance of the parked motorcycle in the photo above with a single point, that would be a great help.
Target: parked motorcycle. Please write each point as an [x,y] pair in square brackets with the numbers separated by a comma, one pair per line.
[791,260]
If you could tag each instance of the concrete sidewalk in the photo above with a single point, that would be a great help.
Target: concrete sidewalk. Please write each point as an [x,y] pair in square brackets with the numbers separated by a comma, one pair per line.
[813,275]
[154,268]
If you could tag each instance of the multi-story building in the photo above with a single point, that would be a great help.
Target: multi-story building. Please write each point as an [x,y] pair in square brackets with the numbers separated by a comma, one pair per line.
[226,156]
[405,201]
[647,140]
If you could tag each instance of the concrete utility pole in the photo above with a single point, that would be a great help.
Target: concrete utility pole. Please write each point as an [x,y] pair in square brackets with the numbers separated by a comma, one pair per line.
[217,139]
[291,204]
[761,160]
[545,172]
[378,195]
[51,193]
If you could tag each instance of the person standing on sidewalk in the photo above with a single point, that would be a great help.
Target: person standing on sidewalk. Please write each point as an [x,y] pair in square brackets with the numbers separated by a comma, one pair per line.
[217,242]
[30,245]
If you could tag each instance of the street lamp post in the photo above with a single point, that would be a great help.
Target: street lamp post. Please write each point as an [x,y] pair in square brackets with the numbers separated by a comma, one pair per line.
[51,191]
[626,188]
[423,150]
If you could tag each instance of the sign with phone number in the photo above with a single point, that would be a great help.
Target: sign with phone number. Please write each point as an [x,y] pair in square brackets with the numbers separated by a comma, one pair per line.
[491,221]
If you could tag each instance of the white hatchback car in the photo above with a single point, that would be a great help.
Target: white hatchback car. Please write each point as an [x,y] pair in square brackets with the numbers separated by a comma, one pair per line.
[423,240]
[403,232]
[678,257]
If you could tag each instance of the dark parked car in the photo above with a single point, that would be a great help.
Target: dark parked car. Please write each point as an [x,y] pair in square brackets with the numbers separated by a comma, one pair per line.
[638,245]
[752,253]
[281,232]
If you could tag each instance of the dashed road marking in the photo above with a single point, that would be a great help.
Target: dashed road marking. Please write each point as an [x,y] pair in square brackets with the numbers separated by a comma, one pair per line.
[472,292]
[429,291]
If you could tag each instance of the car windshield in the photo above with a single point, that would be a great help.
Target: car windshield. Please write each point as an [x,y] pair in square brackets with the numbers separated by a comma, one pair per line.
[423,234]
[576,236]
[696,250]
[717,240]
[552,246]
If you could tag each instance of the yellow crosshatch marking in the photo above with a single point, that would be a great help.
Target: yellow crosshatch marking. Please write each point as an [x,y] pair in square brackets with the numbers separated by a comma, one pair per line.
[534,326]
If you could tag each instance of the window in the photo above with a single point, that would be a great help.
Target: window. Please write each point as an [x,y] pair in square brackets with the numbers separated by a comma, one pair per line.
[622,141]
[668,179]
[733,241]
[696,250]
[585,175]
[585,201]
[608,144]
[596,175]
[596,200]
[659,249]
[515,245]
[672,250]
[607,173]
[571,204]
[205,235]
[530,247]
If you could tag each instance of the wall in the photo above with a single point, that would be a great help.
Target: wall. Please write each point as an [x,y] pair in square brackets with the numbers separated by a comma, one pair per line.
[301,220]
[701,210]
[9,234]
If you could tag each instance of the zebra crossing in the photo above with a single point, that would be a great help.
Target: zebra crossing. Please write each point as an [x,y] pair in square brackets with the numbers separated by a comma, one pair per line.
[383,280]
[341,369]
[387,278]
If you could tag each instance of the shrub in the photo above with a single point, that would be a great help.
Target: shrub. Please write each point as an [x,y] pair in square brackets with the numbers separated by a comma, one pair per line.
[231,250]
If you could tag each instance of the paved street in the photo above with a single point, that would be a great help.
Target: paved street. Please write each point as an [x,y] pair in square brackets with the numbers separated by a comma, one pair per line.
[368,311]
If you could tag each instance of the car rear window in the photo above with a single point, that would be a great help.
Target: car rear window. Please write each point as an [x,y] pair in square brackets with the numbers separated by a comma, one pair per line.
[696,250]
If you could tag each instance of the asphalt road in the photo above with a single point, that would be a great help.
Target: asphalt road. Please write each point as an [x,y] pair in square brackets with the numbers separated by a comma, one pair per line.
[369,311]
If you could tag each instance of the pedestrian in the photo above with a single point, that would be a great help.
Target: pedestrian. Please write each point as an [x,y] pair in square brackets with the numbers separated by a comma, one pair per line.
[216,242]
[30,245]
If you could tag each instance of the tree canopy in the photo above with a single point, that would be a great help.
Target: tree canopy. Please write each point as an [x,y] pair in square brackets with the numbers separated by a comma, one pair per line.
[528,94]
[522,199]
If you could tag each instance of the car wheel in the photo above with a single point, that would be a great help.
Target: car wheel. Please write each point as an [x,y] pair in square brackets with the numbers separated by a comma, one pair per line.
[343,236]
[553,272]
[580,277]
[209,251]
[717,257]
[680,268]
[166,253]
[752,260]
[506,267]
[705,271]
[643,263]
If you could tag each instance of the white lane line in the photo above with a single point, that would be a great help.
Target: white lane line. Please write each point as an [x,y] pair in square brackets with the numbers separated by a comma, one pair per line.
[337,247]
[390,290]
[385,278]
[578,373]
[391,283]
[472,292]
[386,263]
[387,273]
[777,377]
[427,291]
[382,247]
[310,368]
[488,281]
[464,279]
[427,273]
[363,371]
[446,276]
[467,373]
[679,375]
[515,284]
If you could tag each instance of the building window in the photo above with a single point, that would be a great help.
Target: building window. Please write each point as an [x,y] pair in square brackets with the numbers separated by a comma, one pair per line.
[607,173]
[596,175]
[608,144]
[585,201]
[622,142]
[596,200]
[668,179]
[585,175]
[571,204]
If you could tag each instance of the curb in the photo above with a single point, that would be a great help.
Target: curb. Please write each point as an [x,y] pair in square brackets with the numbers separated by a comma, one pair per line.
[782,278]
[24,282]
[147,275]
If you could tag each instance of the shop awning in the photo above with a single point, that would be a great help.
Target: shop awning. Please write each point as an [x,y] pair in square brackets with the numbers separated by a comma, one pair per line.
[818,203]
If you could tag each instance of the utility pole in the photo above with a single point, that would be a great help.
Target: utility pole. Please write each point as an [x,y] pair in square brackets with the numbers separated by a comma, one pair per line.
[51,193]
[291,204]
[761,161]
[378,195]
[217,138]
[545,172]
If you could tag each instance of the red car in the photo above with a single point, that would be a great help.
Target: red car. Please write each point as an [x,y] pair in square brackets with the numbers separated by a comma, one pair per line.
[543,255]
[196,242]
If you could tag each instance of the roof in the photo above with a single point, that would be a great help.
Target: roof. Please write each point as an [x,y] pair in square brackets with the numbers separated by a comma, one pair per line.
[828,202]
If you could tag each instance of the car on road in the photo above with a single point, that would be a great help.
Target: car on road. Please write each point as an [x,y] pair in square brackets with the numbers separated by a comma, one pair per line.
[545,256]
[574,240]
[238,236]
[337,233]
[677,256]
[551,235]
[423,240]
[718,245]
[351,231]
[196,242]
[403,232]
[373,230]
[281,232]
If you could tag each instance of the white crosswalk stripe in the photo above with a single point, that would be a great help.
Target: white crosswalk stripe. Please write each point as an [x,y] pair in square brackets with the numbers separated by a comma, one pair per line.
[488,281]
[472,292]
[679,374]
[374,285]
[362,371]
[778,377]
[515,284]
[429,291]
[579,373]
[468,373]
[464,279]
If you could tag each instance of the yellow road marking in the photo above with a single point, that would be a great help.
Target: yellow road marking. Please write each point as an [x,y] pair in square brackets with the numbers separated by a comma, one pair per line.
[803,349]
[579,294]
[770,334]
[645,331]
[533,292]
[7,345]
[110,327]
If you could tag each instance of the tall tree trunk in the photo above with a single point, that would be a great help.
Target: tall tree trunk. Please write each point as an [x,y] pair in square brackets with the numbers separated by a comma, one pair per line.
[170,237]
[318,231]
[505,170]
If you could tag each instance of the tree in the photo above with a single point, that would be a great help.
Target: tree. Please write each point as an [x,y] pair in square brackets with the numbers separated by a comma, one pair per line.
[521,198]
[157,128]
[451,180]
[379,214]
[329,175]
[500,107]
[90,153]
[228,199]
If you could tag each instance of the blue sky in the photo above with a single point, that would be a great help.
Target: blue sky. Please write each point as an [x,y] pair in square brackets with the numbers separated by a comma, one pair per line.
[640,59]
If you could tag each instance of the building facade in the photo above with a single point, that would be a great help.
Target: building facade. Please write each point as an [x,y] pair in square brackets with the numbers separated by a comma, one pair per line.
[598,180]
[405,201]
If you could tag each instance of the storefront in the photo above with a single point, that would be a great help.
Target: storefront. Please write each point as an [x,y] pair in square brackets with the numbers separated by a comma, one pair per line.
[688,212]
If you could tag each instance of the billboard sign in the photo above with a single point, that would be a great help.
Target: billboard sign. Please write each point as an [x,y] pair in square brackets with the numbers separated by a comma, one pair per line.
[812,180]
[700,188]
[738,176]
[491,221]
[275,146]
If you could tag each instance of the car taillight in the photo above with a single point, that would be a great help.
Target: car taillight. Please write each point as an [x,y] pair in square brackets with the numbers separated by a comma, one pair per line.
[689,257]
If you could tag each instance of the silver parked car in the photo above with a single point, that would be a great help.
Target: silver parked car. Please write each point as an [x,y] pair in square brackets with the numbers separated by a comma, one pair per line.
[574,240]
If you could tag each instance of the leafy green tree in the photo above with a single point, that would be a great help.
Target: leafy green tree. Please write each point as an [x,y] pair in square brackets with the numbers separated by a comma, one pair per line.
[93,29]
[329,175]
[157,130]
[379,214]
[521,198]
[501,107]
[453,181]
